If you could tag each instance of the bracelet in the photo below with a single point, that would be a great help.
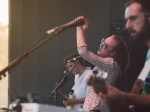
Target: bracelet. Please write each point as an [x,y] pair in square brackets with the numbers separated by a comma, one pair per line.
[79,28]
[125,96]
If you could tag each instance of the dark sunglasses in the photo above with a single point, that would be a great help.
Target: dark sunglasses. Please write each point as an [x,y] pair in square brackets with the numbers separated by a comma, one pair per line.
[104,45]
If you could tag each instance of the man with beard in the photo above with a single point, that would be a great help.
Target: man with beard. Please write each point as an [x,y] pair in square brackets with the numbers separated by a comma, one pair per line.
[137,16]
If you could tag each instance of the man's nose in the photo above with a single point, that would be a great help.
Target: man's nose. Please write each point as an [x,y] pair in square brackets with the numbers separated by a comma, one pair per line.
[101,45]
[128,24]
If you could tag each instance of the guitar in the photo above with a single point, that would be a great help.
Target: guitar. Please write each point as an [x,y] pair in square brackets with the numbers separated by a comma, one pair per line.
[97,81]
[98,84]
[71,95]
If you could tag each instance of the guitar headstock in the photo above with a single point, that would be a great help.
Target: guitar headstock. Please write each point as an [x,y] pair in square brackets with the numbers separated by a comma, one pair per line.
[97,81]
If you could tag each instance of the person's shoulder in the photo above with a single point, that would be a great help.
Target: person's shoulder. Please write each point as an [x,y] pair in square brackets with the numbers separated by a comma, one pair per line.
[89,71]
[111,60]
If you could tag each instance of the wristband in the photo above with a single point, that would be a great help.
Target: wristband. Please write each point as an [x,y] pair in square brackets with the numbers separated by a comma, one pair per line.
[79,28]
[125,96]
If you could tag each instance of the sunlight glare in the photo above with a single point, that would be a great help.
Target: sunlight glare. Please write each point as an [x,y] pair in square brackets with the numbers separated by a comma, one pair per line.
[4,12]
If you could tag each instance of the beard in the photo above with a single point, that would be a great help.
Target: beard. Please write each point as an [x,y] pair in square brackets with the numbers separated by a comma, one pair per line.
[143,35]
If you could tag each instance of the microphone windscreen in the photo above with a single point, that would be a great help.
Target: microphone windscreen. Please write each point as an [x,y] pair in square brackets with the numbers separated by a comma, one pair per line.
[74,23]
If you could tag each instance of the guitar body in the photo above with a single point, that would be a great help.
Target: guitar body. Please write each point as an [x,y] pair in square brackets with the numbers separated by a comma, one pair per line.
[98,83]
[72,97]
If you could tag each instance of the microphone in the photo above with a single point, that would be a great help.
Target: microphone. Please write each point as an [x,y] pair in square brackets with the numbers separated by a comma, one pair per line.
[73,59]
[70,24]
[66,71]
[74,23]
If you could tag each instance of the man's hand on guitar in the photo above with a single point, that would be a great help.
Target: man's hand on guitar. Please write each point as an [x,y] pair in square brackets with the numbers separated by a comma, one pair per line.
[68,101]
[108,93]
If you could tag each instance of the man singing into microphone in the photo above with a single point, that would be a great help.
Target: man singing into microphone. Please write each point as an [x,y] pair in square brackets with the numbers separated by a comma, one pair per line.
[80,87]
[112,57]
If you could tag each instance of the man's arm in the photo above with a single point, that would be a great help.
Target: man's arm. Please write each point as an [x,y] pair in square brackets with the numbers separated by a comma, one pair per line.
[121,107]
[79,101]
[73,101]
[115,95]
[139,101]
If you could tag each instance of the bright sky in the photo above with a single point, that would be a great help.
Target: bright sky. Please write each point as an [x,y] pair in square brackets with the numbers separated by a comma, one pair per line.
[4,11]
[3,51]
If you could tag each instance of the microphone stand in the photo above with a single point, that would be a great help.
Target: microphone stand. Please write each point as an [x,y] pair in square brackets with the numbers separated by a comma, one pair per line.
[61,84]
[34,46]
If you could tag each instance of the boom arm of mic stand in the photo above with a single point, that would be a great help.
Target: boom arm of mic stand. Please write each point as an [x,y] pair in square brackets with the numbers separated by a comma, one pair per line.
[62,82]
[29,50]
[12,64]
[33,47]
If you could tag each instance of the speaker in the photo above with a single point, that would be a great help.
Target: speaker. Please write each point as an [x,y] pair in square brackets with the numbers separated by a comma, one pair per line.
[117,27]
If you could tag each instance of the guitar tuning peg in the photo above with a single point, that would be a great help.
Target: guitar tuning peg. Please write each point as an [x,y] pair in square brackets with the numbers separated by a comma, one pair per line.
[99,73]
[104,75]
[95,72]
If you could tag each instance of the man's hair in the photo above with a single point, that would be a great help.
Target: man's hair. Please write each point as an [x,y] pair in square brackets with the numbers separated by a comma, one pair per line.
[73,58]
[145,5]
[122,53]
